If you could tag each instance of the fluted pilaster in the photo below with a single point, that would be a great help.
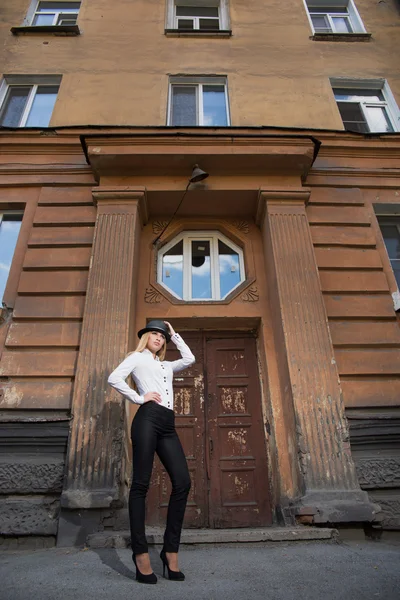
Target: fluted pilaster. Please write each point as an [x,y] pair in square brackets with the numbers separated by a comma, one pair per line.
[323,439]
[96,436]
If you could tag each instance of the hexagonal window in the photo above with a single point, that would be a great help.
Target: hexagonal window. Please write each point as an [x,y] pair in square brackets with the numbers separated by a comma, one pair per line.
[200,265]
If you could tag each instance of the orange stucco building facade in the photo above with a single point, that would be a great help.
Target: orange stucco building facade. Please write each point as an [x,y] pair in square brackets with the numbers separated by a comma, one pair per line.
[291,411]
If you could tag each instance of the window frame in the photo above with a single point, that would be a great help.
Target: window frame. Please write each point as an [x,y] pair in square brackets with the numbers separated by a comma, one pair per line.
[223,10]
[197,82]
[35,81]
[17,212]
[352,13]
[56,13]
[196,20]
[389,102]
[187,237]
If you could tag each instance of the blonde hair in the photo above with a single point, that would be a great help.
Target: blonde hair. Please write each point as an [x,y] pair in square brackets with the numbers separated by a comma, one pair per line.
[142,345]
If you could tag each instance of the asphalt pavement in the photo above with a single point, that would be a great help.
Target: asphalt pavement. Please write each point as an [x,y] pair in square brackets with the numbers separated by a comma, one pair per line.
[277,571]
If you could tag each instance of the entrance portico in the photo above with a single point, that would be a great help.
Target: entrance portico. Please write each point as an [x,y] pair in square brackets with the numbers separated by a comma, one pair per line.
[254,194]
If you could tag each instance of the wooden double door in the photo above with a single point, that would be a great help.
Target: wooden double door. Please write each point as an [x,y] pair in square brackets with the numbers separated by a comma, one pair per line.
[220,424]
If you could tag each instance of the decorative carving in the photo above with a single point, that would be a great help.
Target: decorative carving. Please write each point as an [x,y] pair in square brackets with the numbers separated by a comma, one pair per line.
[31,478]
[378,472]
[33,516]
[158,226]
[243,226]
[152,296]
[250,295]
[390,511]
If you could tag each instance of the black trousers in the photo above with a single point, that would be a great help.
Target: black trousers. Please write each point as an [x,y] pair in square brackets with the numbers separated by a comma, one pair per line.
[153,430]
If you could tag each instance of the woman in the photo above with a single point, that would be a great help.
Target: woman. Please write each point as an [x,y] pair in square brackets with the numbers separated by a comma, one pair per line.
[153,430]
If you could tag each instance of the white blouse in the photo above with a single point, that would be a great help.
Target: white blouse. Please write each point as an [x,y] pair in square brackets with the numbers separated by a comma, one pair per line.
[150,374]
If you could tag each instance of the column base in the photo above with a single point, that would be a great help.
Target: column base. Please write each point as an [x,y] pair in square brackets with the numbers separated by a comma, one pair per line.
[106,498]
[320,507]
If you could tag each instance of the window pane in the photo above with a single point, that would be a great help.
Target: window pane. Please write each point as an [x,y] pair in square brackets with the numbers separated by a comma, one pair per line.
[42,107]
[352,116]
[391,236]
[313,6]
[321,24]
[43,20]
[378,119]
[197,11]
[358,95]
[229,268]
[14,106]
[172,269]
[185,24]
[214,106]
[342,25]
[209,24]
[184,105]
[9,230]
[66,19]
[58,6]
[201,270]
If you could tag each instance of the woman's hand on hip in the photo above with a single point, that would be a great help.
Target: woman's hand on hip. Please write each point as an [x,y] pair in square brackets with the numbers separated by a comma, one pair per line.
[152,397]
[171,329]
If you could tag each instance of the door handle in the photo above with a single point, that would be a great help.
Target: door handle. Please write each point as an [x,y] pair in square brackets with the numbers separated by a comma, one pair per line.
[211,445]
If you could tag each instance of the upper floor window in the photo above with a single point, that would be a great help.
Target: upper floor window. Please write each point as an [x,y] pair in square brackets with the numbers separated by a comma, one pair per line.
[197,15]
[200,266]
[366,106]
[390,228]
[10,224]
[198,101]
[334,16]
[55,13]
[27,101]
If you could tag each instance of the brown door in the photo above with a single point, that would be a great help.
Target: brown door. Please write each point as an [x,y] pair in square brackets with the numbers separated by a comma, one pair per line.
[219,422]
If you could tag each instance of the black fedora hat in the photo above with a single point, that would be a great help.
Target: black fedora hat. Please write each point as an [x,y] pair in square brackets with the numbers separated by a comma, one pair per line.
[156,325]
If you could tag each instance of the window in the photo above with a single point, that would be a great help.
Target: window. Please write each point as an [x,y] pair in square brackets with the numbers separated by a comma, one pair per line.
[197,16]
[366,107]
[390,228]
[195,101]
[25,102]
[10,224]
[55,13]
[200,266]
[334,16]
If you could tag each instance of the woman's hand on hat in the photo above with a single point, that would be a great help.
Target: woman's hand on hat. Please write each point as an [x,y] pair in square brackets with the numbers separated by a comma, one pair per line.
[171,329]
[152,397]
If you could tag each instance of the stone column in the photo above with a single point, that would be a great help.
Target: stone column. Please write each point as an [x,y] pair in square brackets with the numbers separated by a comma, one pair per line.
[330,487]
[96,436]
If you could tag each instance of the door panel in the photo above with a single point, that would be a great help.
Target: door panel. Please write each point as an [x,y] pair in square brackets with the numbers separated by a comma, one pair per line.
[239,490]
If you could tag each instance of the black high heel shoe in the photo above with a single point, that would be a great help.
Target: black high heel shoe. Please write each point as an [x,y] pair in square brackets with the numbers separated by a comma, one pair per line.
[152,578]
[173,575]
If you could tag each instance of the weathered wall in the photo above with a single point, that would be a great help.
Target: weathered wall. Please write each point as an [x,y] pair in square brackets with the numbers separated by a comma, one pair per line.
[117,71]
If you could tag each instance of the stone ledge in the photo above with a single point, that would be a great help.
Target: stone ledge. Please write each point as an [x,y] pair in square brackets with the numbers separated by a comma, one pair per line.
[121,539]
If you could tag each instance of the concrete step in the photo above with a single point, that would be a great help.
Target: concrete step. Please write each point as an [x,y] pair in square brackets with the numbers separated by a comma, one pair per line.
[121,539]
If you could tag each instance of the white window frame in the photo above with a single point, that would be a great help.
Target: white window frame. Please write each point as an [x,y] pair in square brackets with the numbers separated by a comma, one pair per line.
[34,81]
[352,13]
[198,82]
[204,236]
[32,11]
[391,214]
[223,10]
[195,20]
[389,103]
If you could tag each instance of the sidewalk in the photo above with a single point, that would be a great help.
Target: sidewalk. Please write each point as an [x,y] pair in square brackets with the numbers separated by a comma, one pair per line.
[283,571]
